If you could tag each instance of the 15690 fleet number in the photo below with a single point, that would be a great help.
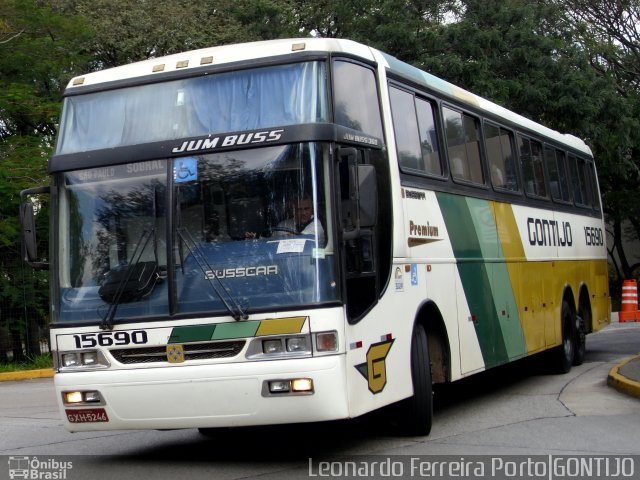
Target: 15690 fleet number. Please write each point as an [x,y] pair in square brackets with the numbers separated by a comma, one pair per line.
[109,339]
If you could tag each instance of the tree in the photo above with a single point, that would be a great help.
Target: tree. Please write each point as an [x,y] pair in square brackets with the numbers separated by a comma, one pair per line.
[39,51]
[126,31]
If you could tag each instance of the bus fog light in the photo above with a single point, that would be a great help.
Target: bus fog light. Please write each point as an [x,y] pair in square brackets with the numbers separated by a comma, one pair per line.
[70,398]
[92,397]
[76,398]
[302,385]
[327,341]
[272,346]
[279,386]
[297,344]
[71,360]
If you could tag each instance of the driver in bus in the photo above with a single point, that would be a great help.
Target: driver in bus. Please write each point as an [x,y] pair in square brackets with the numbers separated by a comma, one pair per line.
[303,221]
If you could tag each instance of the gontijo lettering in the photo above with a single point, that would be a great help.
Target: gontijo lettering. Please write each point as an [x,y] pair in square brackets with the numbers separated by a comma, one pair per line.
[549,233]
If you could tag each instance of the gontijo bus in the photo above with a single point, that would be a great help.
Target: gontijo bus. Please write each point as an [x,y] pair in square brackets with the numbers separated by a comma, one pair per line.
[444,235]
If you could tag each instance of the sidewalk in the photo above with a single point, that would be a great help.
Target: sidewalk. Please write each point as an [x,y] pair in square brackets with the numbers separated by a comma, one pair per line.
[26,375]
[625,376]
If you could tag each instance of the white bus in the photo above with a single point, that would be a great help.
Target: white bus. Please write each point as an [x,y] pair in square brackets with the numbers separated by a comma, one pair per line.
[305,230]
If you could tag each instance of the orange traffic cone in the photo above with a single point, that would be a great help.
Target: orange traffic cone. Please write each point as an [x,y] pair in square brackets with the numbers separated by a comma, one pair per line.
[629,309]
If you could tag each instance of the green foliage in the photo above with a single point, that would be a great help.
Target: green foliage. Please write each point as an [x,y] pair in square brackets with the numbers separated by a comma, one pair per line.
[37,362]
[39,51]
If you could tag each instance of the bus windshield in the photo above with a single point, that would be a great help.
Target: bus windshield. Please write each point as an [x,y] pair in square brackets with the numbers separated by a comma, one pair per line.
[223,102]
[243,231]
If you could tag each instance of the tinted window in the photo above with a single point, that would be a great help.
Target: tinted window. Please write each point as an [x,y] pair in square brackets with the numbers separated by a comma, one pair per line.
[463,146]
[415,132]
[575,182]
[499,144]
[532,169]
[405,126]
[557,170]
[585,185]
[356,98]
[428,137]
[594,186]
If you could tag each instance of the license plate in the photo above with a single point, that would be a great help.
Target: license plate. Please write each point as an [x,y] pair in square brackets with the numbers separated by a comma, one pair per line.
[87,415]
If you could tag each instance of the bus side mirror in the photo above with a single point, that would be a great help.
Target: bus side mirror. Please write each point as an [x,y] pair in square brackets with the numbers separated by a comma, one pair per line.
[28,228]
[367,196]
[358,193]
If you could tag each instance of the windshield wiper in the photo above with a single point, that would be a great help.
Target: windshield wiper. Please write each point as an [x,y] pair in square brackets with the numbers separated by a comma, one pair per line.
[127,285]
[209,272]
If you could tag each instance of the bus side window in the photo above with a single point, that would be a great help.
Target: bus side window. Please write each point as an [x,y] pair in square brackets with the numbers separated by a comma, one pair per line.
[463,146]
[499,144]
[356,98]
[585,184]
[532,168]
[556,163]
[429,147]
[405,126]
[415,132]
[594,186]
[575,181]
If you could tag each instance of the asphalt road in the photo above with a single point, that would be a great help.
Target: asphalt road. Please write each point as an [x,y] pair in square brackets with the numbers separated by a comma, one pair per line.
[520,409]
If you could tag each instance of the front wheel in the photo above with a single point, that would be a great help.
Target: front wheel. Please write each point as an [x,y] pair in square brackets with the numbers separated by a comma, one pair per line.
[414,415]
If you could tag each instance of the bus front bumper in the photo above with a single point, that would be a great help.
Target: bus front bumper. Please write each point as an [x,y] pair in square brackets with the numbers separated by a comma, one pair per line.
[209,396]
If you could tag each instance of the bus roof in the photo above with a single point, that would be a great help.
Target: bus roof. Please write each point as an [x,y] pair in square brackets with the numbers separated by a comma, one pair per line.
[227,54]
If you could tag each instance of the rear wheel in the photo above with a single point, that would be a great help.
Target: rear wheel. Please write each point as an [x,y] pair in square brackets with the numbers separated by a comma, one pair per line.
[414,414]
[582,320]
[564,355]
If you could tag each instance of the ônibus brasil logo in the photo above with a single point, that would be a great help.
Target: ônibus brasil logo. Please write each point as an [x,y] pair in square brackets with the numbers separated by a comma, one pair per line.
[34,468]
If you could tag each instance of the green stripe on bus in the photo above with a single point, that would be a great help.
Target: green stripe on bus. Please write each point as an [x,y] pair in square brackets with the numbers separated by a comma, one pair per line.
[485,280]
[191,333]
[235,330]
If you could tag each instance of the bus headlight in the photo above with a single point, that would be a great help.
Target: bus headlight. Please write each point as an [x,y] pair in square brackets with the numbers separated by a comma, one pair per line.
[81,360]
[286,346]
[297,344]
[272,346]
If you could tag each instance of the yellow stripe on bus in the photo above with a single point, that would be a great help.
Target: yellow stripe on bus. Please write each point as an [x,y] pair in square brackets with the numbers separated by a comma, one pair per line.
[281,326]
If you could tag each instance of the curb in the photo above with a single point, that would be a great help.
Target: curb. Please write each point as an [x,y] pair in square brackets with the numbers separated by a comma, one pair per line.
[622,383]
[26,375]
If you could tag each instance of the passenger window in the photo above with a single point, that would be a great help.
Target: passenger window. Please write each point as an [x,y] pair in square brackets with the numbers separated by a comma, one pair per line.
[356,98]
[405,126]
[428,137]
[594,186]
[585,185]
[463,146]
[575,182]
[531,161]
[499,144]
[557,170]
[415,132]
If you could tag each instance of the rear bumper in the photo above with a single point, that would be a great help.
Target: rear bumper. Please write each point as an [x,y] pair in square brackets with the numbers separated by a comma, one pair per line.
[210,395]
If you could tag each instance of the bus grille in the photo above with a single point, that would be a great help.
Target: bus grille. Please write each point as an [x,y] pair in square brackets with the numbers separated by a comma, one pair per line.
[192,351]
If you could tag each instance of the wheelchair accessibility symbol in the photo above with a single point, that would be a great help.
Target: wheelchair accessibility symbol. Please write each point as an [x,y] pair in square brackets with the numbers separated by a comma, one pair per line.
[185,170]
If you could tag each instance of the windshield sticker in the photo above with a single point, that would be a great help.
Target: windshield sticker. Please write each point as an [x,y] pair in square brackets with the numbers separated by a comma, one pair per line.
[295,245]
[185,170]
[318,253]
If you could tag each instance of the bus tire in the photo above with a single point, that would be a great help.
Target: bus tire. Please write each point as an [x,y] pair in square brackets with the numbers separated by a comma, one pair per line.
[565,353]
[414,415]
[580,347]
